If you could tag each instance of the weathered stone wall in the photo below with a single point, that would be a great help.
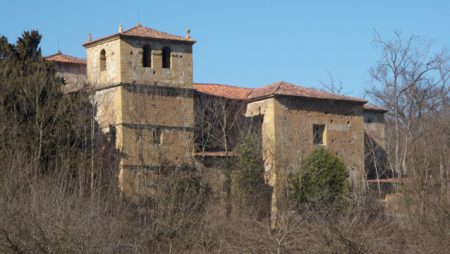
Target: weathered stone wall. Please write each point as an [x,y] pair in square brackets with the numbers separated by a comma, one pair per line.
[139,149]
[178,75]
[344,132]
[98,77]
[151,107]
[109,104]
[74,75]
[287,132]
[266,108]
[287,136]
[155,105]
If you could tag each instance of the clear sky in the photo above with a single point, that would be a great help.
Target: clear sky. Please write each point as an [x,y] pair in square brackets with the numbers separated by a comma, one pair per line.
[245,43]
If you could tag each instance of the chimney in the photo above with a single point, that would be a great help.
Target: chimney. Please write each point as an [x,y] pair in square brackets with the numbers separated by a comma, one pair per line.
[188,33]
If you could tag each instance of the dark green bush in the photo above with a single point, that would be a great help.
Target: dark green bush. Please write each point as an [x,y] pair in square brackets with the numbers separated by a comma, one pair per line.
[321,178]
[253,195]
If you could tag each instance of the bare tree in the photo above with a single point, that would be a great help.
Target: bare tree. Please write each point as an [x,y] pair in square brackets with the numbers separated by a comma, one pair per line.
[218,123]
[333,86]
[406,78]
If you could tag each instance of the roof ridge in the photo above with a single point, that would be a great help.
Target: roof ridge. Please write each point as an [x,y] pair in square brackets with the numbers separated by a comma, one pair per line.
[222,90]
[64,58]
[218,84]
[129,29]
[284,88]
[279,83]
[143,32]
[52,55]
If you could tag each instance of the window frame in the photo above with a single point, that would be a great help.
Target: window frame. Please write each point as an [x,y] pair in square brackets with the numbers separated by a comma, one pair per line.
[322,128]
[103,59]
[166,59]
[147,56]
[157,136]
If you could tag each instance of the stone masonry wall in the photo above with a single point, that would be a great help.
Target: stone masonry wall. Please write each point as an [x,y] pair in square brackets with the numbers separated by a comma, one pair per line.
[74,75]
[97,77]
[344,133]
[287,137]
[132,70]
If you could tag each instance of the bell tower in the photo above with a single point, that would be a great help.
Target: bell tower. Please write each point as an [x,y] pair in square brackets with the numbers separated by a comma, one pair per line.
[142,80]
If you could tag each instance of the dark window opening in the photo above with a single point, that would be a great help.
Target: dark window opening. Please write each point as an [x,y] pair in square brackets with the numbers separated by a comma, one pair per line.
[157,136]
[166,58]
[147,56]
[102,60]
[318,134]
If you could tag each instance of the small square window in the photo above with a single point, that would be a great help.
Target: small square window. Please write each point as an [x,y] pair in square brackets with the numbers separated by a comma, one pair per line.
[318,134]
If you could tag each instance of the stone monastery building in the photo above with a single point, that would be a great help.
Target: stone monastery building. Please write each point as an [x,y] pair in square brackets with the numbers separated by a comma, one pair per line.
[141,80]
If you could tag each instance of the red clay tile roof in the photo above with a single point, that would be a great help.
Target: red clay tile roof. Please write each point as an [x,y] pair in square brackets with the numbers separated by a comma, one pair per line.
[144,32]
[226,91]
[370,107]
[61,58]
[284,88]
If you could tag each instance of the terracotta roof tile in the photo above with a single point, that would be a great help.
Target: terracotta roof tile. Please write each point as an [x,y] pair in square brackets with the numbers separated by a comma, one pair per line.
[144,32]
[284,88]
[370,107]
[61,58]
[226,91]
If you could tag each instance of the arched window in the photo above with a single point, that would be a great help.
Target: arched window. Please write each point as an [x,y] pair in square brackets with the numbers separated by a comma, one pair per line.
[102,60]
[166,57]
[147,56]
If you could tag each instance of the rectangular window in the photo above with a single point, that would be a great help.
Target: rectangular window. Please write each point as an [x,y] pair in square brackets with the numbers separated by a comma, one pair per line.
[157,136]
[319,134]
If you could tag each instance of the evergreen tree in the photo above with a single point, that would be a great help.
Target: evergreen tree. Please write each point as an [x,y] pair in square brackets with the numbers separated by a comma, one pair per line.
[249,170]
[38,120]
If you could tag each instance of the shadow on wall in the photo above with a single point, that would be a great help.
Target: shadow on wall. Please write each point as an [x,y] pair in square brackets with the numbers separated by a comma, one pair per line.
[375,160]
[378,173]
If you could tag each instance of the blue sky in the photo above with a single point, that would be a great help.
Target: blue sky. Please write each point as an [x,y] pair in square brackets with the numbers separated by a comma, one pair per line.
[245,43]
